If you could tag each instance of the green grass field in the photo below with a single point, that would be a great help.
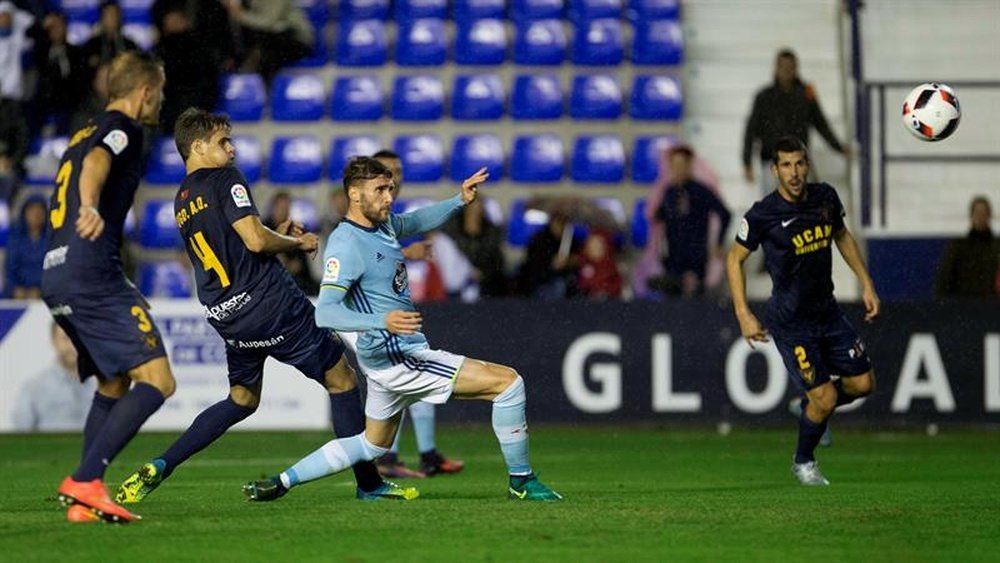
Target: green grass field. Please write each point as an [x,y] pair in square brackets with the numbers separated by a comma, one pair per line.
[631,495]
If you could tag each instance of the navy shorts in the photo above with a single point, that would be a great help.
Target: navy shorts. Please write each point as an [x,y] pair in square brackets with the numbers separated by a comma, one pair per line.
[826,348]
[113,333]
[292,338]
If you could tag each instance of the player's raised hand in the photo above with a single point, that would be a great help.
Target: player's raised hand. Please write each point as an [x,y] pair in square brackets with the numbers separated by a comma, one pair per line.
[471,184]
[308,242]
[873,306]
[403,322]
[90,224]
[752,330]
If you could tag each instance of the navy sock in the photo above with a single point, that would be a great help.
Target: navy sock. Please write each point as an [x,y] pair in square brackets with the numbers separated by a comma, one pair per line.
[349,420]
[206,428]
[121,424]
[809,434]
[843,398]
[99,410]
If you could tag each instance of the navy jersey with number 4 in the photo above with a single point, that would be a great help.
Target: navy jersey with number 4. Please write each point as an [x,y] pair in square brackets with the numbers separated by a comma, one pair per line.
[74,265]
[796,237]
[240,289]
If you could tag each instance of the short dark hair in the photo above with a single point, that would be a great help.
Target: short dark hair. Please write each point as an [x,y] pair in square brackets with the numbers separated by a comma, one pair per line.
[980,199]
[363,168]
[386,153]
[788,53]
[789,143]
[131,70]
[194,124]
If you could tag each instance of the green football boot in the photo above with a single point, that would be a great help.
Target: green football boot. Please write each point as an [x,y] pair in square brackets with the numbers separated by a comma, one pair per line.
[528,487]
[141,483]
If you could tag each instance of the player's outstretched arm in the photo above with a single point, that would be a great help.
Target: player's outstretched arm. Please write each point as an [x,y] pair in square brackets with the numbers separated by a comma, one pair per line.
[93,174]
[433,216]
[750,327]
[849,249]
[258,238]
[332,313]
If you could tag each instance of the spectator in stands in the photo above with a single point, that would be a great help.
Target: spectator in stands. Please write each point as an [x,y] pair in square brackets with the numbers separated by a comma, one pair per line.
[207,19]
[549,267]
[109,40]
[789,106]
[55,399]
[686,211]
[192,73]
[14,25]
[482,244]
[971,265]
[94,101]
[598,276]
[275,34]
[297,263]
[61,68]
[26,247]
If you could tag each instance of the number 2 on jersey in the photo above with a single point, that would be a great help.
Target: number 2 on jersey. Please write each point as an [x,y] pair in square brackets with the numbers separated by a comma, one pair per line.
[58,215]
[208,258]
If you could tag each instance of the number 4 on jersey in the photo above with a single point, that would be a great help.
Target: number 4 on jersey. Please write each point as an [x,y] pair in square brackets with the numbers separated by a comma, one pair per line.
[208,258]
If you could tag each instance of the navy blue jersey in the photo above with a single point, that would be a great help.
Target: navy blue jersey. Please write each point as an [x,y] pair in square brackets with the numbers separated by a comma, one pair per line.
[240,289]
[74,265]
[796,238]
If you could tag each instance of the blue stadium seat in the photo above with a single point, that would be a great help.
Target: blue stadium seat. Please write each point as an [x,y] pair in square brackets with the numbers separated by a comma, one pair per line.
[318,11]
[469,10]
[421,42]
[297,97]
[242,96]
[646,157]
[477,97]
[480,42]
[357,98]
[77,33]
[584,10]
[169,279]
[362,43]
[493,210]
[410,205]
[536,96]
[656,98]
[343,149]
[640,227]
[143,34]
[422,156]
[524,222]
[295,160]
[614,207]
[522,10]
[540,42]
[469,153]
[136,11]
[42,162]
[303,211]
[352,10]
[537,158]
[165,166]
[598,42]
[249,156]
[158,228]
[417,98]
[643,10]
[319,55]
[86,11]
[4,223]
[407,10]
[598,158]
[657,42]
[596,96]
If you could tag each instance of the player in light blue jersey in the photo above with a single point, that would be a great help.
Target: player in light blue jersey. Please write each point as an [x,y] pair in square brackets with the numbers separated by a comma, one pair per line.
[364,290]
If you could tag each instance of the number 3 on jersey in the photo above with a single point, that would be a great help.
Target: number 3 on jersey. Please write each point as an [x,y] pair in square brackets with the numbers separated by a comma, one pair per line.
[208,258]
[58,215]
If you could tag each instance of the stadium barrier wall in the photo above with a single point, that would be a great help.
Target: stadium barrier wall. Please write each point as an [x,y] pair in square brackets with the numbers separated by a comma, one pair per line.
[585,362]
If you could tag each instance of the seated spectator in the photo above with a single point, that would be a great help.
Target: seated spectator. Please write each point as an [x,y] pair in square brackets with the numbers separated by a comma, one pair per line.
[109,40]
[297,263]
[598,276]
[482,244]
[549,268]
[54,400]
[275,33]
[208,19]
[971,265]
[61,68]
[192,75]
[95,100]
[26,249]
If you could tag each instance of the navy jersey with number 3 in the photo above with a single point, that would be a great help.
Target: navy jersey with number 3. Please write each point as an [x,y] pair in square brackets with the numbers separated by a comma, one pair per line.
[796,238]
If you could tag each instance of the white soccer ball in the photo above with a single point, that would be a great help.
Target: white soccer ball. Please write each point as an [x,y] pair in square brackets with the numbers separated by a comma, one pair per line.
[931,111]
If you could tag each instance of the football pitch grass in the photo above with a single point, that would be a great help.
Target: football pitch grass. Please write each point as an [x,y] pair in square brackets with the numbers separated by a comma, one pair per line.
[632,494]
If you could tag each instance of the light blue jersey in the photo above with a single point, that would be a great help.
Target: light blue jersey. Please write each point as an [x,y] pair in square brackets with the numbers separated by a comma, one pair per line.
[364,278]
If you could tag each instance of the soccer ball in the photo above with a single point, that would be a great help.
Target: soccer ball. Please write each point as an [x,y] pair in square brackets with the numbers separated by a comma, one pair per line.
[931,111]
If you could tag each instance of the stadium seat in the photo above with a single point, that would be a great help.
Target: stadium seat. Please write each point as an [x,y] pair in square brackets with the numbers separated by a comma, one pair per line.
[318,57]
[471,152]
[4,223]
[136,11]
[362,43]
[493,210]
[166,279]
[318,11]
[353,10]
[77,33]
[524,222]
[463,11]
[645,10]
[540,42]
[85,11]
[646,157]
[421,42]
[417,98]
[657,42]
[598,42]
[640,227]
[656,98]
[143,34]
[249,156]
[357,98]
[42,162]
[537,158]
[522,10]
[422,156]
[480,42]
[242,96]
[536,96]
[342,149]
[477,97]
[158,228]
[130,229]
[410,205]
[295,160]
[297,97]
[408,10]
[585,10]
[598,158]
[303,211]
[165,166]
[596,96]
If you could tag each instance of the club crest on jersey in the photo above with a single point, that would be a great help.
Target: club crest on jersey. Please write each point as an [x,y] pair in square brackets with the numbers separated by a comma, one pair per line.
[240,196]
[116,140]
[399,280]
[331,272]
[744,230]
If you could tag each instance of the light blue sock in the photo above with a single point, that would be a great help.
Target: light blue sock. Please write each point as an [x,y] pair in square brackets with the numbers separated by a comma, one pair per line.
[511,427]
[423,425]
[334,457]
